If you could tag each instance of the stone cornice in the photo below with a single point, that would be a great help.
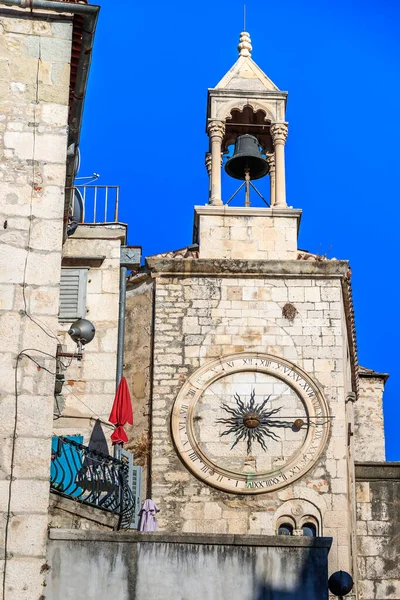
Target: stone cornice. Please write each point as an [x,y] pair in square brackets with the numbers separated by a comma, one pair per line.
[230,93]
[279,541]
[243,211]
[373,375]
[248,268]
[377,471]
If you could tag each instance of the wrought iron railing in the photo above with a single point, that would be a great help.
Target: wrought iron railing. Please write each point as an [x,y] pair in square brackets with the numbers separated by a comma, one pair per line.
[92,478]
[95,203]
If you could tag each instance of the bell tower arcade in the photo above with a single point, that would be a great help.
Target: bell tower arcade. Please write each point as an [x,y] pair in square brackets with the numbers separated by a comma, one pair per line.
[246,101]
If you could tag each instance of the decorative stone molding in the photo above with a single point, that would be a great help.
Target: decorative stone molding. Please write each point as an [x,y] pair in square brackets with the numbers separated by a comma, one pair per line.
[245,46]
[208,162]
[271,161]
[216,129]
[224,106]
[279,133]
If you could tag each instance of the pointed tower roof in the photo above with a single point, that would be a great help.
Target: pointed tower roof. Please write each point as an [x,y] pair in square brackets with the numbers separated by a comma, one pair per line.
[245,74]
[245,84]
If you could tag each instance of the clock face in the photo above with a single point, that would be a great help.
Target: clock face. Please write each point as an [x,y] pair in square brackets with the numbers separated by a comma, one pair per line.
[249,423]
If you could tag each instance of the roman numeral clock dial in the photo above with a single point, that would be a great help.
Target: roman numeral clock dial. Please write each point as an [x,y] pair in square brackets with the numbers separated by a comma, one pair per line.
[250,423]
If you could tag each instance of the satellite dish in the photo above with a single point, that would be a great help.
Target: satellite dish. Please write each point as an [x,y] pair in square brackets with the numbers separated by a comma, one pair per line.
[77,206]
[77,164]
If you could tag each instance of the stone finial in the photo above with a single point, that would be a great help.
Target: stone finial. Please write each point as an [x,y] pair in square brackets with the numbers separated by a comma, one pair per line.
[245,46]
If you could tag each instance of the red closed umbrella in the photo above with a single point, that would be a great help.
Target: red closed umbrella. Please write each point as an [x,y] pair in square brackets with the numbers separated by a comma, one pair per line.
[121,412]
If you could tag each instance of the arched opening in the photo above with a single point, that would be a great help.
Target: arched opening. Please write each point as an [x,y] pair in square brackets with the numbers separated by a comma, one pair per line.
[247,121]
[285,529]
[309,530]
[255,123]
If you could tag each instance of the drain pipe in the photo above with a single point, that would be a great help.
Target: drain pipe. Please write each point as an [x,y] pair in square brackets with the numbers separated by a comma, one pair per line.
[130,258]
[121,324]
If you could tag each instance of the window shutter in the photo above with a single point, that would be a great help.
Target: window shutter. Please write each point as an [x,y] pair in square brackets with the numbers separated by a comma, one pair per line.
[73,286]
[135,483]
[137,492]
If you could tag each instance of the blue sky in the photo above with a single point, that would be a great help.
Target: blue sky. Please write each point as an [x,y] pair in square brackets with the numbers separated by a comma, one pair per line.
[144,129]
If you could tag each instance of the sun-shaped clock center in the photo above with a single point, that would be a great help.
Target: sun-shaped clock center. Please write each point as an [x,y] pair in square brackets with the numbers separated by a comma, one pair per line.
[250,418]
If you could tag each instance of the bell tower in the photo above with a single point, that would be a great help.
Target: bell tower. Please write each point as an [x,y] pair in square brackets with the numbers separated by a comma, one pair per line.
[254,364]
[248,110]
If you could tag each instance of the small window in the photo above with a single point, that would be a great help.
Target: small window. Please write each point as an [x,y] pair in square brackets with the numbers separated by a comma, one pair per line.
[285,529]
[309,530]
[73,286]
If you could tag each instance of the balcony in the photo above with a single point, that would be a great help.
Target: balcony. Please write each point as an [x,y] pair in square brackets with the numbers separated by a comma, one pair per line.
[95,203]
[95,479]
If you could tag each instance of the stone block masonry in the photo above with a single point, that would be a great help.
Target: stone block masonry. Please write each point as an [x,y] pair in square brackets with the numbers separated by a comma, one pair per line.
[368,413]
[199,318]
[250,233]
[90,384]
[34,86]
[378,517]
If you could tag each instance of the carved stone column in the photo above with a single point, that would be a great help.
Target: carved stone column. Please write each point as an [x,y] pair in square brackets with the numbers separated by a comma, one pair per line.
[208,167]
[216,130]
[279,133]
[271,162]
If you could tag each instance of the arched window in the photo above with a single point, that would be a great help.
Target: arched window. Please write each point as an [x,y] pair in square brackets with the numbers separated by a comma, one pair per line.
[285,529]
[309,530]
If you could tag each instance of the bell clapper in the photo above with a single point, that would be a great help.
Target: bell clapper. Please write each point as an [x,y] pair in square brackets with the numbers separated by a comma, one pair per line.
[247,181]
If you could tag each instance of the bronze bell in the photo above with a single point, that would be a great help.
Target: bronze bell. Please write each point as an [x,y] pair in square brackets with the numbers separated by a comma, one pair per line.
[247,157]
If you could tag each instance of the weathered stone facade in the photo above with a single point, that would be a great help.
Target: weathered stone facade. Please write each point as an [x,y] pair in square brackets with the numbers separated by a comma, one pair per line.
[180,566]
[240,306]
[254,233]
[90,384]
[378,518]
[369,437]
[34,87]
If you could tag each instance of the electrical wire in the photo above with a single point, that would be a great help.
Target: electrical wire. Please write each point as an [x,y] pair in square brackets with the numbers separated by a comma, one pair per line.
[37,322]
[60,416]
[14,437]
[86,406]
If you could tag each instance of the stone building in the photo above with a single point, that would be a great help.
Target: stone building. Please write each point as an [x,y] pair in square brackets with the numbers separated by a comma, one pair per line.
[262,422]
[260,436]
[49,279]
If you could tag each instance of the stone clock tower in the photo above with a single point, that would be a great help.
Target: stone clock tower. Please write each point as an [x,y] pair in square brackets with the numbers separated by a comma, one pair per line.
[253,362]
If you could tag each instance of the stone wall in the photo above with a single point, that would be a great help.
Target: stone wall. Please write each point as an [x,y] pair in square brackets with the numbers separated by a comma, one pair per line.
[252,233]
[199,318]
[369,435]
[185,567]
[67,513]
[138,367]
[34,86]
[90,384]
[378,530]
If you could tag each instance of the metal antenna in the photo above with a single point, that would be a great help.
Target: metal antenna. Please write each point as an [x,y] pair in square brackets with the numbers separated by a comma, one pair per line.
[244,17]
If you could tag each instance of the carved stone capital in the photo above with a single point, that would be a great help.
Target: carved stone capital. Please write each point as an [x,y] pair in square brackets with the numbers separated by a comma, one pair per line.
[271,161]
[208,162]
[216,129]
[279,132]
